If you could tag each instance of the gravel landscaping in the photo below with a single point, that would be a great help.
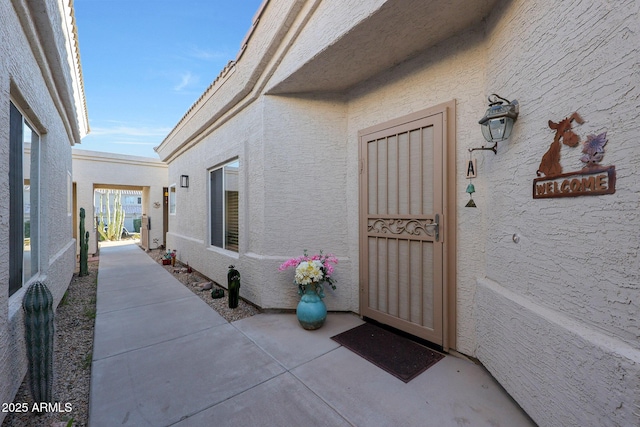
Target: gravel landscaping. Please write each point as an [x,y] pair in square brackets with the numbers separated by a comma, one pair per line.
[75,317]
[72,355]
[191,281]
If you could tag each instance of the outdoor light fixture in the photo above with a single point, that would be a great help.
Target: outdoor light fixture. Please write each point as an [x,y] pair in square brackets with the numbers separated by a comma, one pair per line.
[498,121]
[184,181]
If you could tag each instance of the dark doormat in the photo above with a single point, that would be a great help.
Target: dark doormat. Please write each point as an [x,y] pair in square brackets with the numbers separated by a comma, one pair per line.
[399,356]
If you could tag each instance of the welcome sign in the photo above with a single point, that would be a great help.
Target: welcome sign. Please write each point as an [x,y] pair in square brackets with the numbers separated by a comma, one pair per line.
[592,180]
[588,182]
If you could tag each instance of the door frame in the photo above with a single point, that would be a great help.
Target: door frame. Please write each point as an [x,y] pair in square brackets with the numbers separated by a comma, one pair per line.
[449,214]
[165,215]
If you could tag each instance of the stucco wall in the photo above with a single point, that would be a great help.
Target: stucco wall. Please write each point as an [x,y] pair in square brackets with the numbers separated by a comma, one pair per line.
[305,202]
[189,228]
[109,170]
[275,179]
[305,130]
[558,312]
[328,21]
[567,243]
[23,82]
[553,317]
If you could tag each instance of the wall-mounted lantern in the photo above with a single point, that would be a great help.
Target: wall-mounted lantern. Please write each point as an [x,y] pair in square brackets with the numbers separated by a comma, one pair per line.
[498,121]
[184,181]
[496,126]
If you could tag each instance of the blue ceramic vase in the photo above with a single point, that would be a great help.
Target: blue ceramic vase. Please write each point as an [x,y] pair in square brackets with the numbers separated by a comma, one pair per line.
[311,310]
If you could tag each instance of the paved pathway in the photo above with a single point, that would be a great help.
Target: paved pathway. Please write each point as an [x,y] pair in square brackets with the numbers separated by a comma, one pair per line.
[162,357]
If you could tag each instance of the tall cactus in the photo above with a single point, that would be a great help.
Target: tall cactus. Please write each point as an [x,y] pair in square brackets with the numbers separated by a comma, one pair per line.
[101,232]
[84,247]
[233,279]
[110,226]
[115,218]
[119,216]
[39,332]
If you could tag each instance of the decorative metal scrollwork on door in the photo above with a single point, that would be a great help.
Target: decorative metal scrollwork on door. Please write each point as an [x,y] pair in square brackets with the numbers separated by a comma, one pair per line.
[399,227]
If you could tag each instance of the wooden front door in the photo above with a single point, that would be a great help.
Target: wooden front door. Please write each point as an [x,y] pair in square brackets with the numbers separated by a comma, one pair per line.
[402,236]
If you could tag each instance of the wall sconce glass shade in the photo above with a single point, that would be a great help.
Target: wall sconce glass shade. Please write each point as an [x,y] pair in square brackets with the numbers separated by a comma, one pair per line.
[497,122]
[184,181]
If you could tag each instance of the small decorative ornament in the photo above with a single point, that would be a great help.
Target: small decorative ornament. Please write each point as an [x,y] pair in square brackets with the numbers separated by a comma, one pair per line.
[470,189]
[550,163]
[593,149]
[472,166]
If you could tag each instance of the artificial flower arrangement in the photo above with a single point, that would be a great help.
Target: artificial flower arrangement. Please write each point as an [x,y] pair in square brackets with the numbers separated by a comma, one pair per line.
[312,269]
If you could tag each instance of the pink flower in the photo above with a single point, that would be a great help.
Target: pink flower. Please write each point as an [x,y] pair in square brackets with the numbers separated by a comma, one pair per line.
[326,261]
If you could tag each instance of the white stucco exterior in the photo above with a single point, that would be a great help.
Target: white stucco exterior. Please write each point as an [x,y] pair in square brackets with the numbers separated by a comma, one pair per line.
[40,74]
[553,317]
[94,169]
[566,296]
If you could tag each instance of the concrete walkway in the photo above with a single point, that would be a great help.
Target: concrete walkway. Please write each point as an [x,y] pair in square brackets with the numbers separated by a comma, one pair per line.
[162,357]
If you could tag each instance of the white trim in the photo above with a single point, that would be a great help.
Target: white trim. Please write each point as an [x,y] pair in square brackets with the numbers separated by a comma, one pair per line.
[34,155]
[111,158]
[224,219]
[70,30]
[223,251]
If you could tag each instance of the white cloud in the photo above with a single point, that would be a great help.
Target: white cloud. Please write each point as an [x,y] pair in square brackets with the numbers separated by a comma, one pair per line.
[134,143]
[186,79]
[202,54]
[206,55]
[129,131]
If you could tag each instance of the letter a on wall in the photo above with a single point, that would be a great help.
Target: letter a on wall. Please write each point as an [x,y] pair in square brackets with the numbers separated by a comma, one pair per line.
[471,168]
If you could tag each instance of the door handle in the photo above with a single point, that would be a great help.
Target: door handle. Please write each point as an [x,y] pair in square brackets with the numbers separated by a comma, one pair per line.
[436,226]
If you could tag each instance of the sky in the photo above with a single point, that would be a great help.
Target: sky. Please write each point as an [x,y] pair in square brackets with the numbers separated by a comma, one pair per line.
[145,62]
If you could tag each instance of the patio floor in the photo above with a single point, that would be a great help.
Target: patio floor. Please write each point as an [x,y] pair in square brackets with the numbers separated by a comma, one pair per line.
[162,357]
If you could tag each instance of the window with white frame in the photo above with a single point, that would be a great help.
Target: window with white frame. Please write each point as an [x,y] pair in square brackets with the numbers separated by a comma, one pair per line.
[172,200]
[24,198]
[223,206]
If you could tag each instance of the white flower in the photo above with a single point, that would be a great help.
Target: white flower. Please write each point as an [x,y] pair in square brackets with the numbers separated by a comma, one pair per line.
[309,271]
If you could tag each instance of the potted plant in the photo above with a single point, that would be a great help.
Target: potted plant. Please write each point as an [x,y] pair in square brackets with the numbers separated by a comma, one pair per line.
[310,274]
